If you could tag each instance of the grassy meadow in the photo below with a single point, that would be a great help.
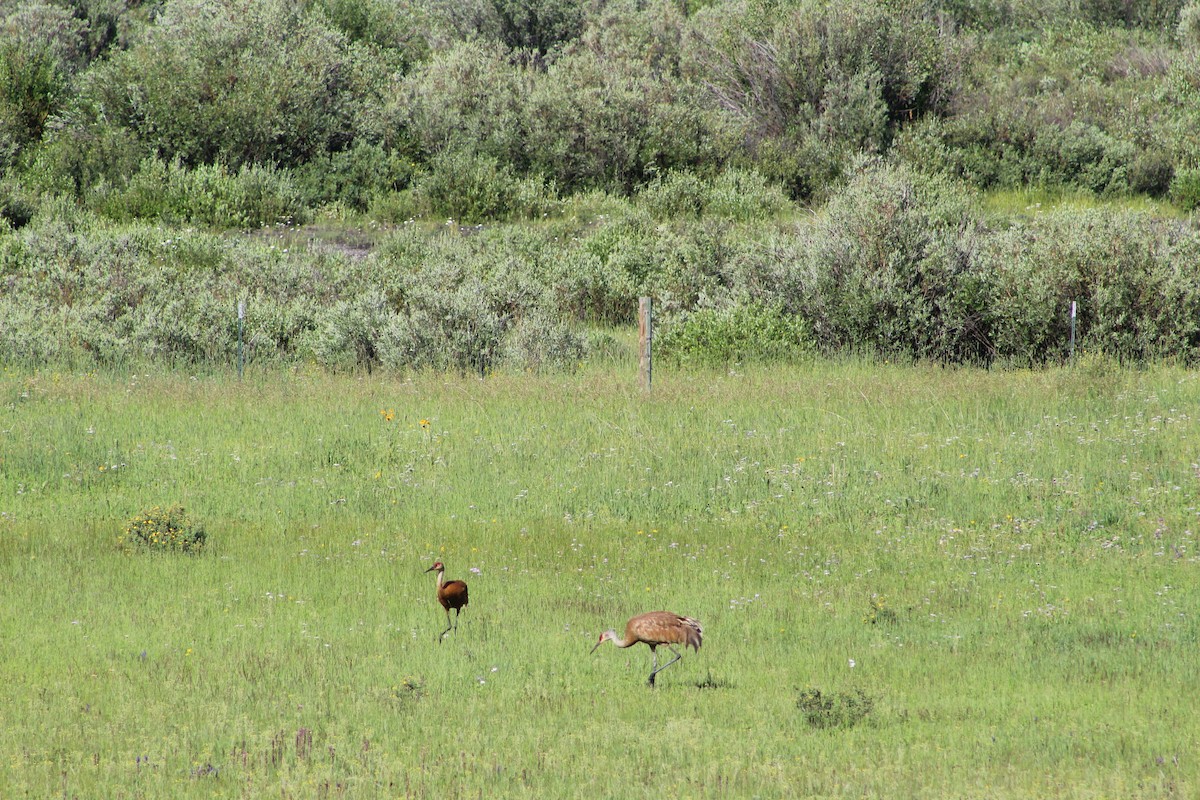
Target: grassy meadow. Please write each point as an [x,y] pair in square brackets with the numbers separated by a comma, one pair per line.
[998,567]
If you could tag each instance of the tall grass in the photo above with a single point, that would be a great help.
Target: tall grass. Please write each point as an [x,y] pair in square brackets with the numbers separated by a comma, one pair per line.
[1001,562]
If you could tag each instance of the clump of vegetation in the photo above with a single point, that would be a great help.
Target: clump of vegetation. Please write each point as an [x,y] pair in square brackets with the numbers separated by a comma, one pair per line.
[169,529]
[734,334]
[879,612]
[834,709]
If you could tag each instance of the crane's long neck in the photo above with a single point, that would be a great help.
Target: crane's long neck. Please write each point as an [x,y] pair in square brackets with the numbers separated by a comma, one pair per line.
[441,578]
[612,637]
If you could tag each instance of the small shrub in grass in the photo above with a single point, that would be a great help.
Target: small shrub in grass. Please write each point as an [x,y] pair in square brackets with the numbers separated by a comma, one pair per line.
[163,529]
[879,612]
[836,709]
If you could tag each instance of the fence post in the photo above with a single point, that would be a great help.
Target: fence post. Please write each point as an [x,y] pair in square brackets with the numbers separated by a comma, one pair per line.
[241,322]
[1072,331]
[645,343]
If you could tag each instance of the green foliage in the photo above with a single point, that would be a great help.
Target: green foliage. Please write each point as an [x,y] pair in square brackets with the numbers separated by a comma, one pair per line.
[451,324]
[245,84]
[538,26]
[891,271]
[350,331]
[819,77]
[736,194]
[170,529]
[879,612]
[33,80]
[1127,274]
[397,32]
[476,188]
[356,178]
[542,340]
[737,334]
[1188,29]
[17,205]
[834,709]
[1185,189]
[212,196]
[610,124]
[468,98]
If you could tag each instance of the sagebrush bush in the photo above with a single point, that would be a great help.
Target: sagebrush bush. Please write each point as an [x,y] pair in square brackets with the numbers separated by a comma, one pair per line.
[165,529]
[542,340]
[349,331]
[898,263]
[1127,273]
[890,269]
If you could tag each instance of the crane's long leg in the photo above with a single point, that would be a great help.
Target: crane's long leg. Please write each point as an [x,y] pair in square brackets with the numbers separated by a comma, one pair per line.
[658,669]
[442,635]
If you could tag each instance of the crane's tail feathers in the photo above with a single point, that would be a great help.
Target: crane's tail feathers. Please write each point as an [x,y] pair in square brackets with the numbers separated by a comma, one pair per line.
[694,633]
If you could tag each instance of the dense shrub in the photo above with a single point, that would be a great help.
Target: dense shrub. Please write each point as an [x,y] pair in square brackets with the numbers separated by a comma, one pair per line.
[1185,189]
[39,48]
[543,339]
[890,269]
[898,263]
[475,188]
[611,124]
[397,33]
[734,334]
[826,79]
[468,98]
[734,193]
[243,83]
[355,178]
[213,196]
[1136,296]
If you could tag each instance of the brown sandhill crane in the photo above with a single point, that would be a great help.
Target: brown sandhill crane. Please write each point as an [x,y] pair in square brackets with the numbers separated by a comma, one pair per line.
[657,628]
[451,594]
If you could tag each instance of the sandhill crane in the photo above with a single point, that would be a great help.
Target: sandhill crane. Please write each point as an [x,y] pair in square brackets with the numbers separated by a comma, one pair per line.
[655,628]
[451,594]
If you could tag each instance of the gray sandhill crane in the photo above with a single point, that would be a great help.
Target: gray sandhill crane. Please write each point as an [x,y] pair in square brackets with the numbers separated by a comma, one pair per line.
[452,595]
[657,628]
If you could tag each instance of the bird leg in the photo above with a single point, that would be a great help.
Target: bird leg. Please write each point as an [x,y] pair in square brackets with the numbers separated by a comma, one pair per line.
[657,669]
[442,635]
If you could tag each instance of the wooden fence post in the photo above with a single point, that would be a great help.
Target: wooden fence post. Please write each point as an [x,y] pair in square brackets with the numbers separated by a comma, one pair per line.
[645,343]
[241,354]
[1072,331]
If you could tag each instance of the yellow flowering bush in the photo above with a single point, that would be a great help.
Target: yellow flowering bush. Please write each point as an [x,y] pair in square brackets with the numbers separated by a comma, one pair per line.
[163,529]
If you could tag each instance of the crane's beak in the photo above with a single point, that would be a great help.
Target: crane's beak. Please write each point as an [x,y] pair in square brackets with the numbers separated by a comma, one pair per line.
[429,570]
[595,646]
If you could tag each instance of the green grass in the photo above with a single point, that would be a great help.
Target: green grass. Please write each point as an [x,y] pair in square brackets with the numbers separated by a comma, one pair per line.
[1007,203]
[1002,564]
